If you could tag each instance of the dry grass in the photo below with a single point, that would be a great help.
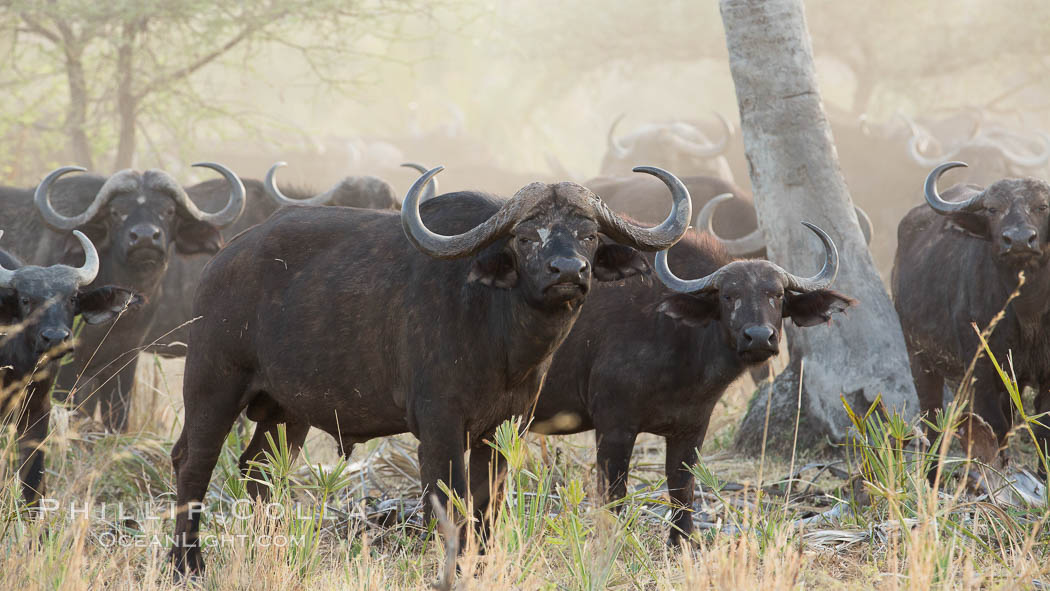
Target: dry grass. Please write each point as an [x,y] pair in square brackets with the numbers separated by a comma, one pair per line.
[552,533]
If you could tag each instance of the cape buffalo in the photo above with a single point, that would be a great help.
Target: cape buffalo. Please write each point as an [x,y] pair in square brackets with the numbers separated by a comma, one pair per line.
[173,304]
[135,219]
[658,360]
[679,146]
[329,317]
[958,260]
[37,306]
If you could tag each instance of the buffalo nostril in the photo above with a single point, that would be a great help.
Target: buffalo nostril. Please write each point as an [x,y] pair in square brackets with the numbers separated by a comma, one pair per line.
[759,336]
[133,235]
[156,235]
[563,266]
[55,335]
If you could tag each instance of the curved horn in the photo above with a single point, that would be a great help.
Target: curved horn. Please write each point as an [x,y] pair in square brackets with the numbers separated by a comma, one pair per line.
[826,276]
[6,275]
[748,245]
[270,186]
[225,216]
[933,198]
[656,238]
[460,245]
[432,186]
[673,282]
[87,272]
[612,143]
[917,138]
[865,224]
[42,199]
[1030,161]
[712,149]
[821,280]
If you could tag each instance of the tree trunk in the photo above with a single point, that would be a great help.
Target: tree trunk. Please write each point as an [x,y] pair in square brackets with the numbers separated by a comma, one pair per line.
[127,101]
[795,173]
[76,113]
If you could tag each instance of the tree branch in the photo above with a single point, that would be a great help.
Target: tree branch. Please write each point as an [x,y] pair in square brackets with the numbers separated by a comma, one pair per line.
[183,72]
[35,27]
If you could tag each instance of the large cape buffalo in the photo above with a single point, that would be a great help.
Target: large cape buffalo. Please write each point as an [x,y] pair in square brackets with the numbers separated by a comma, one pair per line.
[37,306]
[658,360]
[173,304]
[958,260]
[135,219]
[329,317]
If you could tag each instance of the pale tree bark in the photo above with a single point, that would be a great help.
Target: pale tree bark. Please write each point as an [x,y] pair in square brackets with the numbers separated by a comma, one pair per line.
[795,174]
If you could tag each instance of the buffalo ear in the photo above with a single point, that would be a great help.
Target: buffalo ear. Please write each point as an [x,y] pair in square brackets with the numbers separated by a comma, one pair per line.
[196,237]
[691,309]
[974,224]
[97,232]
[616,261]
[9,312]
[815,307]
[103,304]
[494,269]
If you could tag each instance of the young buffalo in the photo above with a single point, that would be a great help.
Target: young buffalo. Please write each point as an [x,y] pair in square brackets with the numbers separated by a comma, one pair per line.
[38,305]
[658,360]
[328,317]
[958,260]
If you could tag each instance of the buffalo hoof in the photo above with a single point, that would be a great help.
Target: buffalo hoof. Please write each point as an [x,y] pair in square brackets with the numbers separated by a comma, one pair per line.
[187,564]
[676,540]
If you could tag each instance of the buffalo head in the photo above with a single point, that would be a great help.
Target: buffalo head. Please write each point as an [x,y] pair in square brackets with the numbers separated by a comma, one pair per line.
[44,300]
[1011,213]
[137,216]
[545,239]
[750,299]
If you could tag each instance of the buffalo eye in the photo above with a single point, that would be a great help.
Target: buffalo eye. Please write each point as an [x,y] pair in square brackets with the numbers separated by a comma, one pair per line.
[25,301]
[993,210]
[590,238]
[727,298]
[524,240]
[1041,208]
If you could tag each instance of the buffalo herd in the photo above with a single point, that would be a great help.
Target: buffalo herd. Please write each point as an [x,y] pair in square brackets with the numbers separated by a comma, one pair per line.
[447,314]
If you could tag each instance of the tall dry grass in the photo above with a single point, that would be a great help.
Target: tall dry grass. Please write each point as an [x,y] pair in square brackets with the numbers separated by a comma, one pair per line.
[887,528]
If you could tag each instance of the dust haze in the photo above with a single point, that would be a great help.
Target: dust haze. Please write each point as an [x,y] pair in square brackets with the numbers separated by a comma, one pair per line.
[505,93]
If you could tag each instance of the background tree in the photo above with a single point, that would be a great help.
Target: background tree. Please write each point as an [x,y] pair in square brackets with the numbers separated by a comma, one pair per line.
[795,173]
[131,67]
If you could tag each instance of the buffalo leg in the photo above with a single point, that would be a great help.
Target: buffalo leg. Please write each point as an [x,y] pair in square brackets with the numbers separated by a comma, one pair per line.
[296,434]
[210,413]
[681,452]
[441,450]
[32,433]
[111,393]
[614,461]
[929,385]
[487,471]
[115,403]
[1042,430]
[987,402]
